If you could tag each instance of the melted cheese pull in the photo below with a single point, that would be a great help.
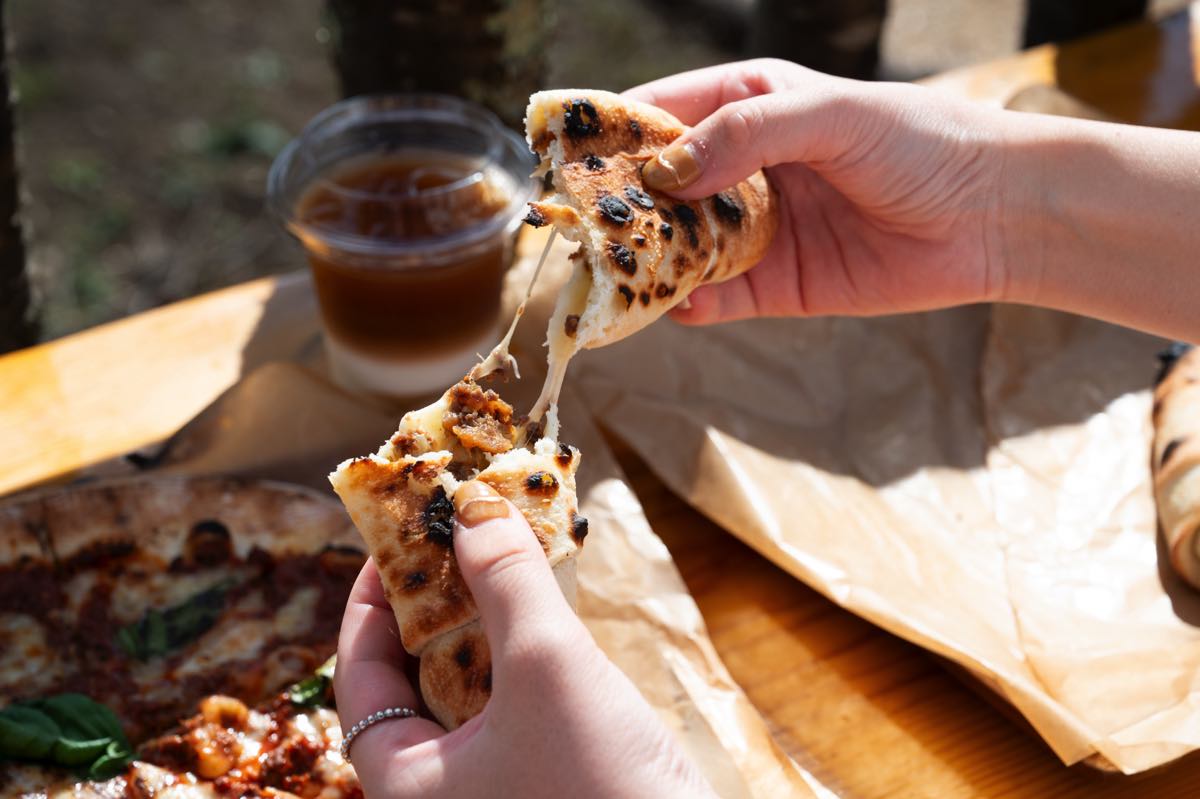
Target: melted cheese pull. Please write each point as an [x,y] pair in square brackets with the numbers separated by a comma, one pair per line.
[499,359]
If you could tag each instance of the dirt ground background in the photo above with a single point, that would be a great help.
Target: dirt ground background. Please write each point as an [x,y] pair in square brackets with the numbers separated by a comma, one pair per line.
[146,128]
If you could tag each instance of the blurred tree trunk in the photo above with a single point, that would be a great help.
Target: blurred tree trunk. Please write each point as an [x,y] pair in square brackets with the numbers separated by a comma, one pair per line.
[17,325]
[489,51]
[838,37]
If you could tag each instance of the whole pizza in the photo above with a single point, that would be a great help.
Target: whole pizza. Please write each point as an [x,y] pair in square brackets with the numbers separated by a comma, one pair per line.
[170,632]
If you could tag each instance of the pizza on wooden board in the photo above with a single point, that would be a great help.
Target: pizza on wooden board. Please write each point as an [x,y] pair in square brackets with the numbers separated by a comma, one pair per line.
[123,605]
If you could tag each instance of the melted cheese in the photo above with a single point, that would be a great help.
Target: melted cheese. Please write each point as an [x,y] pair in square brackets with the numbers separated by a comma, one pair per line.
[28,665]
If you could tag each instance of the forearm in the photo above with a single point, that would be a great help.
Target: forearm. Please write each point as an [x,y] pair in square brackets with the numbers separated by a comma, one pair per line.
[1103,220]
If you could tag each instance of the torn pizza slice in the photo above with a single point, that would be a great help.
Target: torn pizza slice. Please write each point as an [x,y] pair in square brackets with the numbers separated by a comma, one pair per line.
[401,500]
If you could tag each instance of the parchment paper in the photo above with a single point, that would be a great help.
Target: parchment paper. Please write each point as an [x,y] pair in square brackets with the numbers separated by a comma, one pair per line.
[975,480]
[285,422]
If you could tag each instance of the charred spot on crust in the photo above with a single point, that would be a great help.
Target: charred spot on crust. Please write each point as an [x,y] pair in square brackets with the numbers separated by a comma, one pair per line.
[663,290]
[535,218]
[487,680]
[666,214]
[571,324]
[639,198]
[209,543]
[615,210]
[644,298]
[666,230]
[579,527]
[541,483]
[564,456]
[414,580]
[728,210]
[623,257]
[635,129]
[1169,357]
[581,119]
[1169,450]
[681,264]
[627,293]
[464,656]
[639,240]
[439,519]
[687,218]
[593,162]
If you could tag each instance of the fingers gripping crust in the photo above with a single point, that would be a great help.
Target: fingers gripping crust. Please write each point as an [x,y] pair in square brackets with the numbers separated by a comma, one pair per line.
[401,501]
[641,252]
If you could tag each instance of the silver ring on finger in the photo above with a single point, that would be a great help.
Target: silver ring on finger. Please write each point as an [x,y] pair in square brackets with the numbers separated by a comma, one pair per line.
[362,726]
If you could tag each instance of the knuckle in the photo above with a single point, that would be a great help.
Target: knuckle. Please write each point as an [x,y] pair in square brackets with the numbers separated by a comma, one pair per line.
[541,648]
[742,125]
[506,563]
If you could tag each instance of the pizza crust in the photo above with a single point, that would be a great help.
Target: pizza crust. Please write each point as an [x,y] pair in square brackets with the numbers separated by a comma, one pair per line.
[1176,463]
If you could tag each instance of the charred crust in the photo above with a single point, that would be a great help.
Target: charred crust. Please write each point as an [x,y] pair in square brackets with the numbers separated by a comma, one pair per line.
[1169,357]
[623,257]
[720,242]
[571,324]
[1169,450]
[464,656]
[535,218]
[541,483]
[644,298]
[579,528]
[639,240]
[564,456]
[627,294]
[487,680]
[209,543]
[415,580]
[439,519]
[581,119]
[614,210]
[593,162]
[662,290]
[542,142]
[687,217]
[667,231]
[681,264]
[635,129]
[727,209]
[666,214]
[639,198]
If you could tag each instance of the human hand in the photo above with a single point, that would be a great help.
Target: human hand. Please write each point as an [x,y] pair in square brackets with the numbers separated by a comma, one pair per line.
[562,719]
[888,193]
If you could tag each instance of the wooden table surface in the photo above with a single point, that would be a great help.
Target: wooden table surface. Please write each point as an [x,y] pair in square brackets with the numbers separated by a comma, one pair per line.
[868,714]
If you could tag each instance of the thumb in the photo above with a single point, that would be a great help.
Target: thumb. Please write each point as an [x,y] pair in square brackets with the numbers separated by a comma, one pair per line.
[503,564]
[740,138]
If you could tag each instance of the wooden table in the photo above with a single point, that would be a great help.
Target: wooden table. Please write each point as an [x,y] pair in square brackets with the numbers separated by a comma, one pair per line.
[865,712]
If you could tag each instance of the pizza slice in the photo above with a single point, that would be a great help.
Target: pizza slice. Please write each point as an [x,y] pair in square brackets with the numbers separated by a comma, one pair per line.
[401,499]
[1176,458]
[640,252]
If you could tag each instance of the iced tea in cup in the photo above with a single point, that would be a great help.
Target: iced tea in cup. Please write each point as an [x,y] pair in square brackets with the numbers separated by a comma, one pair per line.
[407,206]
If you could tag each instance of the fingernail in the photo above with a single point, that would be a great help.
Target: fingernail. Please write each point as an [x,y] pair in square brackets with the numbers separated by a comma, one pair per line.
[674,168]
[475,502]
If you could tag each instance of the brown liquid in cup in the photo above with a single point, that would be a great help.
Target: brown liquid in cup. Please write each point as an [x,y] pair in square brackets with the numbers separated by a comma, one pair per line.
[389,308]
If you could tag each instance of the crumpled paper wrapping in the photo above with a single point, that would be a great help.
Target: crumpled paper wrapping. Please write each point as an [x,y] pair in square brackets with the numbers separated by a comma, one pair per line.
[975,480]
[283,421]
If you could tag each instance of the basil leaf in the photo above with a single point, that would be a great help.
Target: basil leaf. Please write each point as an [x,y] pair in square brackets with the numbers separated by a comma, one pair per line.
[67,730]
[314,691]
[160,631]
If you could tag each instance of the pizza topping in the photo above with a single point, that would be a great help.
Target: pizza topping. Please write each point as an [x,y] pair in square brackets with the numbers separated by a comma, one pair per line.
[480,419]
[623,257]
[225,711]
[571,324]
[311,692]
[160,631]
[689,220]
[541,483]
[727,209]
[579,528]
[626,293]
[667,231]
[615,210]
[534,217]
[593,162]
[68,730]
[581,119]
[639,198]
[439,518]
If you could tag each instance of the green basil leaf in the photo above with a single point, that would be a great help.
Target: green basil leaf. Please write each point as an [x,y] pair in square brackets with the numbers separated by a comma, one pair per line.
[67,730]
[161,631]
[314,691]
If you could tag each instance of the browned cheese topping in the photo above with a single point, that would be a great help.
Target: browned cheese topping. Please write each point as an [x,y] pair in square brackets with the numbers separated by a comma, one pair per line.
[480,419]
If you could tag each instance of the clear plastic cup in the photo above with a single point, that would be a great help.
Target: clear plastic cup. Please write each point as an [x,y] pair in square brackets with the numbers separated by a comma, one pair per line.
[407,206]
